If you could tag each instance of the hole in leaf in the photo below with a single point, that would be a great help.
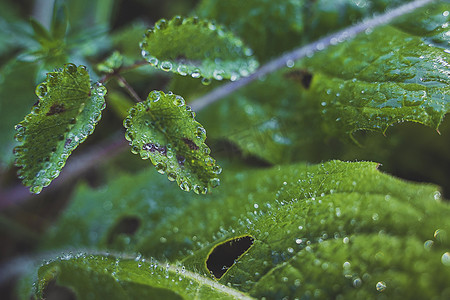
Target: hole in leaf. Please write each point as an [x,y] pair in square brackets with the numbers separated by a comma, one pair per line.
[126,226]
[302,76]
[53,291]
[223,256]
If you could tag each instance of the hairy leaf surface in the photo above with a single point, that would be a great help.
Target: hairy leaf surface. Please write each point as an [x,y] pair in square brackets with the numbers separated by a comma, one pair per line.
[163,129]
[198,48]
[66,113]
[380,79]
[134,278]
[385,77]
[333,229]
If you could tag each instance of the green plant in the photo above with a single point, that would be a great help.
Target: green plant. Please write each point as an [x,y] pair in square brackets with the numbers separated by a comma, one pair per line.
[275,227]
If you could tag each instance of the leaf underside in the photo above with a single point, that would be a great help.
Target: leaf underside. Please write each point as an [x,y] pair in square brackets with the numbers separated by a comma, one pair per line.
[66,113]
[197,48]
[163,129]
[332,229]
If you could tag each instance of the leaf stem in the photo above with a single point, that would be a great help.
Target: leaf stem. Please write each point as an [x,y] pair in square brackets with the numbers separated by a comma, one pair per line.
[124,83]
[117,72]
[307,50]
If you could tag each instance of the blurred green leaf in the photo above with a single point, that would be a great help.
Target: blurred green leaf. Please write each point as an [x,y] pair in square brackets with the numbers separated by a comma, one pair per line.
[17,84]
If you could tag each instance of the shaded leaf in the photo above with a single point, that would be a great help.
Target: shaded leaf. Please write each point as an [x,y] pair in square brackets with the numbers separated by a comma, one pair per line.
[163,129]
[271,27]
[41,34]
[106,277]
[66,113]
[197,48]
[17,83]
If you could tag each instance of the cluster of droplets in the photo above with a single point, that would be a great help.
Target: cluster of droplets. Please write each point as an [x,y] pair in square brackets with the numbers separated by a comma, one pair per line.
[77,129]
[145,129]
[241,65]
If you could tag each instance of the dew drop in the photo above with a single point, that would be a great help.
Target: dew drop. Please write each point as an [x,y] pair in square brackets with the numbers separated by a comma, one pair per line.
[206,81]
[178,101]
[218,74]
[217,170]
[182,70]
[381,286]
[153,60]
[215,182]
[428,244]
[201,133]
[185,186]
[357,282]
[128,136]
[445,259]
[135,149]
[70,68]
[171,176]
[166,66]
[195,73]
[200,189]
[161,167]
[101,90]
[41,90]
[35,189]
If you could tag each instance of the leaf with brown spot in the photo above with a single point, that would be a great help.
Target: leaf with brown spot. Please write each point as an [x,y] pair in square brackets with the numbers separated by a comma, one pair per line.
[163,129]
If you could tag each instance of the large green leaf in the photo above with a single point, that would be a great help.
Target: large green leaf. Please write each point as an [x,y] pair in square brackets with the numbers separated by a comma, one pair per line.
[332,229]
[197,48]
[163,129]
[66,113]
[106,277]
[380,79]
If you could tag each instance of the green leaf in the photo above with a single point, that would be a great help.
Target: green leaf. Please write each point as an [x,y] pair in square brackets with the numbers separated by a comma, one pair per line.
[269,121]
[198,48]
[380,79]
[106,277]
[332,229]
[269,27]
[17,82]
[60,21]
[163,129]
[66,113]
[41,33]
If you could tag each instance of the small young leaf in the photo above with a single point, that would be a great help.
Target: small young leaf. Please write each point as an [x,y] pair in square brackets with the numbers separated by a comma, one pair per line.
[163,129]
[41,34]
[66,113]
[59,21]
[197,48]
[107,277]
